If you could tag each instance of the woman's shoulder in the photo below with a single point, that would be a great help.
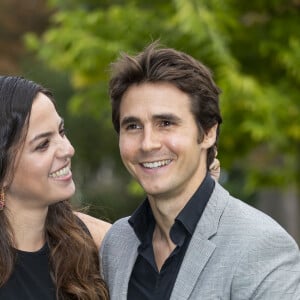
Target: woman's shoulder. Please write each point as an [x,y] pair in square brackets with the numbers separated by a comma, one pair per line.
[96,227]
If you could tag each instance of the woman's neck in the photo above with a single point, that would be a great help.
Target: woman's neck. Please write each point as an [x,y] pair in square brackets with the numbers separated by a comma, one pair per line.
[28,229]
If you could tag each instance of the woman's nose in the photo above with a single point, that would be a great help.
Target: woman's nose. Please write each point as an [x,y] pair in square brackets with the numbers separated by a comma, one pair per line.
[65,148]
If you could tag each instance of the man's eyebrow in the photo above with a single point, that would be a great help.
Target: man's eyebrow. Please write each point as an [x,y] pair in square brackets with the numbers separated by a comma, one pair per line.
[127,120]
[45,134]
[169,117]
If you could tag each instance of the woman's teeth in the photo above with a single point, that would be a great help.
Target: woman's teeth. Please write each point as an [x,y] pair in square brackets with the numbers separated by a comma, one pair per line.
[60,173]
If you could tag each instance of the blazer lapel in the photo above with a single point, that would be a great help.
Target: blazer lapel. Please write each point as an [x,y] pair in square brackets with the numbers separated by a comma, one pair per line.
[200,248]
[191,268]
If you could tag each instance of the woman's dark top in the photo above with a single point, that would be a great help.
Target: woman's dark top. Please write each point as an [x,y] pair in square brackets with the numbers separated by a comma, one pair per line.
[30,279]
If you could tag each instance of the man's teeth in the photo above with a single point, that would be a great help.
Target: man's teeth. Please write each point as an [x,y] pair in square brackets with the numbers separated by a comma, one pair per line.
[60,173]
[156,164]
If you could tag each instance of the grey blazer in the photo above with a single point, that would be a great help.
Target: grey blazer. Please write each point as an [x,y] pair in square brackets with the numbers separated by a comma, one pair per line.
[236,252]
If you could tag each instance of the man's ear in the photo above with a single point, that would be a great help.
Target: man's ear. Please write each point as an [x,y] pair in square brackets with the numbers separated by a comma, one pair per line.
[210,137]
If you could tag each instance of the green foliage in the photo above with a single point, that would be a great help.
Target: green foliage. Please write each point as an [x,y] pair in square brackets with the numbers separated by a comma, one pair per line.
[252,47]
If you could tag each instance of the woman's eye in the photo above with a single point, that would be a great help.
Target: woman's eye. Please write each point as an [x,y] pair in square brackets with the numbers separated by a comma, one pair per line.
[62,132]
[43,146]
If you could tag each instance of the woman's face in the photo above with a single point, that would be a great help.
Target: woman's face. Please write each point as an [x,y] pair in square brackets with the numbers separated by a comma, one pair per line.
[42,173]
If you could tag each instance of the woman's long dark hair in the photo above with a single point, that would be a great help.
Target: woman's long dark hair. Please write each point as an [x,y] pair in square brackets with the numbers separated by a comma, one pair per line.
[76,273]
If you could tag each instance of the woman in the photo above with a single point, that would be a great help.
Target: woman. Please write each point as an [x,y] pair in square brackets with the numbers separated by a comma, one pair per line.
[46,250]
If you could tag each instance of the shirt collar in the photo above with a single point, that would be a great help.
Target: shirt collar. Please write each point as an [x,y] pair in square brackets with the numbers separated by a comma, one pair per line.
[142,220]
[193,210]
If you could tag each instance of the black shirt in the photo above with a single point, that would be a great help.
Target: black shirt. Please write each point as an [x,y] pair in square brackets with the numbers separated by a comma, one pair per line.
[31,279]
[146,282]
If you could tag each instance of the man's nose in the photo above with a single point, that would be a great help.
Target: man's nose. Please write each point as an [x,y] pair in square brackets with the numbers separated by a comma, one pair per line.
[150,140]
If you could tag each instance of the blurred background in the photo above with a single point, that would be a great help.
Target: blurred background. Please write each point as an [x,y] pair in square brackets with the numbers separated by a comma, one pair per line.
[252,47]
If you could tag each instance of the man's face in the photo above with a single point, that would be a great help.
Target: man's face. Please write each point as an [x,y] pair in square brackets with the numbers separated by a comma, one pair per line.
[159,140]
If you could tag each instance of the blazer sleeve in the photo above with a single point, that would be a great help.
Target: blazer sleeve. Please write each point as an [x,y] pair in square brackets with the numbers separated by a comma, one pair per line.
[269,269]
[110,250]
[117,255]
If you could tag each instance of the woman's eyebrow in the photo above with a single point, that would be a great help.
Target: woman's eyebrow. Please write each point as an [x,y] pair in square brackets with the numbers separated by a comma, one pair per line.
[46,134]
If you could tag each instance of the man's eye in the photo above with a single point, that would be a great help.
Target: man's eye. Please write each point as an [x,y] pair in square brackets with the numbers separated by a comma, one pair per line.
[133,127]
[165,123]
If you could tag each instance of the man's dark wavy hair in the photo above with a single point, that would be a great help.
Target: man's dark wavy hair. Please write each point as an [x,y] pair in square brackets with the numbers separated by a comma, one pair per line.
[156,64]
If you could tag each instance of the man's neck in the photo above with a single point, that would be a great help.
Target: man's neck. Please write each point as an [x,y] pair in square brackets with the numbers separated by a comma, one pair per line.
[165,211]
[166,207]
[162,246]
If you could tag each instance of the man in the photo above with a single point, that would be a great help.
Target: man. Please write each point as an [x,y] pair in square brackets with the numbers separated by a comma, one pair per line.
[189,239]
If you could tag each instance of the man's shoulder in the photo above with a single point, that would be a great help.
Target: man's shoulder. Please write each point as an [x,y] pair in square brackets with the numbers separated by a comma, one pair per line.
[240,218]
[120,226]
[119,232]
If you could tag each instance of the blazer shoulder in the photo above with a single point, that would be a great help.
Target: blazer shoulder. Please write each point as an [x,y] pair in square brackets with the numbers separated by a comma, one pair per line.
[241,219]
[121,227]
[120,233]
[253,227]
